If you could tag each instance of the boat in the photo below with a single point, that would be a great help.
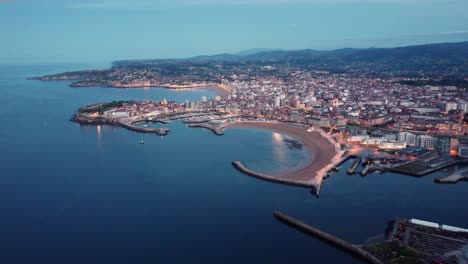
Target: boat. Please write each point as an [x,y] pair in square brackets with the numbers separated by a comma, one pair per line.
[142,142]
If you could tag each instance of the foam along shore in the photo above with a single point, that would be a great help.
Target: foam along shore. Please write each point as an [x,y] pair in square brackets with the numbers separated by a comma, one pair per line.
[325,154]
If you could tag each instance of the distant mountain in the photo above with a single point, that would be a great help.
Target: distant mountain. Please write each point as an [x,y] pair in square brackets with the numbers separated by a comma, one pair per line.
[254,51]
[449,58]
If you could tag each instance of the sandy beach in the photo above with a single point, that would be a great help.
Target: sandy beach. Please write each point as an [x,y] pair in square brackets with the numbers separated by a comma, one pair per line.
[322,151]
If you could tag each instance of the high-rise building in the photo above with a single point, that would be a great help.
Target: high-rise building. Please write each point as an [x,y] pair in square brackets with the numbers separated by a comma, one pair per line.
[463,107]
[427,142]
[454,146]
[408,138]
[277,101]
[443,147]
[450,106]
[463,152]
[203,99]
[187,104]
[217,98]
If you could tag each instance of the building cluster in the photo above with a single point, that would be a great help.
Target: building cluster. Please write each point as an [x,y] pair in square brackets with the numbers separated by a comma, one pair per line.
[425,116]
[330,100]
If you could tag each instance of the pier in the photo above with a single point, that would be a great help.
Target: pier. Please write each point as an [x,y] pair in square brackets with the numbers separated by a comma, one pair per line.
[158,131]
[366,170]
[338,242]
[458,176]
[416,168]
[215,130]
[354,165]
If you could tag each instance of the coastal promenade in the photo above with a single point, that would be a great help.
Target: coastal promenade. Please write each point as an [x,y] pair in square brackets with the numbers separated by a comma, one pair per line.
[325,154]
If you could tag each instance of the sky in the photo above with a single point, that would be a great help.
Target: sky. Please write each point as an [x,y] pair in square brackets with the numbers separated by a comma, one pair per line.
[66,31]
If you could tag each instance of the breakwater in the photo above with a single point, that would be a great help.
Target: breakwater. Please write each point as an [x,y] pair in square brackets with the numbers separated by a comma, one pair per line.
[158,131]
[354,165]
[242,168]
[214,129]
[454,178]
[349,247]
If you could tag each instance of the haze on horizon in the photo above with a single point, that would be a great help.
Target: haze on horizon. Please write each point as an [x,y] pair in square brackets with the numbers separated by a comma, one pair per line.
[103,30]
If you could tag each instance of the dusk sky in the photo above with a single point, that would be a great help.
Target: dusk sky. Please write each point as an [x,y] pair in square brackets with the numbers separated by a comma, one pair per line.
[36,31]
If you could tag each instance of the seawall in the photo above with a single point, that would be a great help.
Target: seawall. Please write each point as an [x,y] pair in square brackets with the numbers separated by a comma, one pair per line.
[351,248]
[242,168]
[213,129]
[158,131]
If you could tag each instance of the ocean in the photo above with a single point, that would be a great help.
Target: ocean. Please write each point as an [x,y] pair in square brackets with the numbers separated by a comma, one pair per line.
[94,194]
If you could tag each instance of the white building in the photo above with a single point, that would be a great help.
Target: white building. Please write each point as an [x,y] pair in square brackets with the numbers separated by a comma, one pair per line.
[450,106]
[392,145]
[408,138]
[277,101]
[427,142]
[463,152]
[358,138]
[463,107]
[373,141]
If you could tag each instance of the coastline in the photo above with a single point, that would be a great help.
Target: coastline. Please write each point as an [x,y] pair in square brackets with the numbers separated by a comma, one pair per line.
[325,154]
[222,89]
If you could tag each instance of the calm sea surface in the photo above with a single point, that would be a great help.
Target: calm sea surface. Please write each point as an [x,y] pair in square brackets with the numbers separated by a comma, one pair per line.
[86,194]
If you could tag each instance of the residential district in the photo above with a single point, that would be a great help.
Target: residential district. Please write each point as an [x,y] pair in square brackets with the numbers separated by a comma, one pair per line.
[429,122]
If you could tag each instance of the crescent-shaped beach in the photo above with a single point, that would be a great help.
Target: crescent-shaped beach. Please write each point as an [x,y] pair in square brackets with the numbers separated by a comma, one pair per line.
[325,152]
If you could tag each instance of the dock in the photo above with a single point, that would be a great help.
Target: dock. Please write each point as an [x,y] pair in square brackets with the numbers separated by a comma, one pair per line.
[338,242]
[416,168]
[458,176]
[158,131]
[354,165]
[365,170]
[214,129]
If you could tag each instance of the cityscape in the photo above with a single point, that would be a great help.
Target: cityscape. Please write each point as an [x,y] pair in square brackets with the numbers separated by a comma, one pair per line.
[407,125]
[234,131]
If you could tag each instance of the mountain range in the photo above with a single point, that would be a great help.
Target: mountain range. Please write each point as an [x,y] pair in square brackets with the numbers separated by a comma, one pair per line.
[445,58]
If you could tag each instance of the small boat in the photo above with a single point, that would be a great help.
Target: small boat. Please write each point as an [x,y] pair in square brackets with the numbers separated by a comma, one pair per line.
[142,142]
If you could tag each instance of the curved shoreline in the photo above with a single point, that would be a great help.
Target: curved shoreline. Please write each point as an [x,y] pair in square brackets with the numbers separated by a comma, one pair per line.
[222,89]
[242,168]
[325,152]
